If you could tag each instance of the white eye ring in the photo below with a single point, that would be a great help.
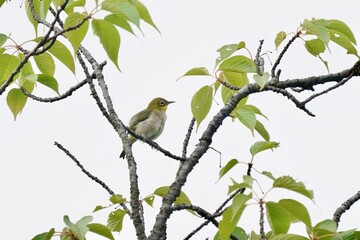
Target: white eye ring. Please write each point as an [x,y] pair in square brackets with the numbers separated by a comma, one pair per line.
[162,103]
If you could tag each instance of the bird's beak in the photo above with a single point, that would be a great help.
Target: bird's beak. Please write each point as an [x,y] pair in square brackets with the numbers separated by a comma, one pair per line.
[169,102]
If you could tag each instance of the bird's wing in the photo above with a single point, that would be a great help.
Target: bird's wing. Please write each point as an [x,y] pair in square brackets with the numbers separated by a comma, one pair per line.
[139,117]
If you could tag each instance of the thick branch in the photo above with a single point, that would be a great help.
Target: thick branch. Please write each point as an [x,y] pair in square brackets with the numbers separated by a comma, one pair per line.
[345,206]
[187,138]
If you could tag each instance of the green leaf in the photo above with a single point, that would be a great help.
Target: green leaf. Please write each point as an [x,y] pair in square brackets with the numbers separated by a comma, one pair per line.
[247,183]
[315,46]
[289,237]
[238,64]
[29,14]
[101,230]
[280,37]
[231,216]
[199,71]
[61,52]
[227,167]
[227,93]
[225,52]
[119,21]
[109,38]
[98,208]
[45,80]
[3,39]
[150,200]
[8,64]
[75,37]
[16,101]
[318,28]
[247,117]
[346,235]
[261,80]
[259,127]
[343,42]
[238,232]
[2,2]
[342,28]
[278,218]
[80,227]
[235,79]
[145,15]
[238,203]
[289,183]
[297,211]
[45,236]
[74,3]
[115,220]
[122,7]
[117,198]
[45,63]
[201,103]
[327,224]
[262,146]
[163,191]
[268,174]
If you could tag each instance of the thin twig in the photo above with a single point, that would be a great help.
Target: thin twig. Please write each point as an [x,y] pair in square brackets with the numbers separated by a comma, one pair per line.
[281,55]
[57,98]
[187,138]
[87,173]
[285,93]
[262,221]
[154,145]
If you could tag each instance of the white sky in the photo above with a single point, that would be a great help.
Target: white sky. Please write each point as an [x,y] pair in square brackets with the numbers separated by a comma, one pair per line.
[40,184]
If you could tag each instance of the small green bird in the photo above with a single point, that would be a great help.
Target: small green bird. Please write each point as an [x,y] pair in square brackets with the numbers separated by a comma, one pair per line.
[150,122]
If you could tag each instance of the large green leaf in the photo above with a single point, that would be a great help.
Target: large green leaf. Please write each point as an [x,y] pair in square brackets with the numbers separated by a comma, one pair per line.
[231,216]
[61,52]
[247,117]
[45,63]
[262,146]
[101,230]
[73,3]
[76,36]
[342,28]
[109,38]
[318,28]
[240,64]
[289,183]
[235,79]
[8,64]
[16,101]
[315,46]
[145,15]
[115,220]
[278,218]
[201,103]
[45,236]
[120,21]
[123,7]
[259,127]
[297,211]
[46,80]
[227,50]
[238,232]
[343,41]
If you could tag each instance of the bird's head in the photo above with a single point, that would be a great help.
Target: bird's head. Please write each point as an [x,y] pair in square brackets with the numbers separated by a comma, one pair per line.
[159,104]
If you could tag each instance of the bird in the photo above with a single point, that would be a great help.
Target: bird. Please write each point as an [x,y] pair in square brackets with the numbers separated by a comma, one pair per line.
[149,122]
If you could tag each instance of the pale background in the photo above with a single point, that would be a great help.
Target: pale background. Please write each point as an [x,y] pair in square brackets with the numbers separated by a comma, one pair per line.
[40,184]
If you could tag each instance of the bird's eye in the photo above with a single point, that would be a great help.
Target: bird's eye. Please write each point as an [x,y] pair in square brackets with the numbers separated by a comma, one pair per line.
[162,103]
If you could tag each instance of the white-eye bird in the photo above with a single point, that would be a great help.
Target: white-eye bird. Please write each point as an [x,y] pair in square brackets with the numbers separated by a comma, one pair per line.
[150,122]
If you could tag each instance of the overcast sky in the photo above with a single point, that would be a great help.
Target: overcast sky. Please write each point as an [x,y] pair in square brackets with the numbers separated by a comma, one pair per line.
[40,184]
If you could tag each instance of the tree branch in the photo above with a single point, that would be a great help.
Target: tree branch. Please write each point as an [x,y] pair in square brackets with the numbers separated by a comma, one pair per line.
[345,206]
[187,138]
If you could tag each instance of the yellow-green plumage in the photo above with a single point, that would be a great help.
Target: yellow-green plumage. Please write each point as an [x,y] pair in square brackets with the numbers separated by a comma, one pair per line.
[150,122]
